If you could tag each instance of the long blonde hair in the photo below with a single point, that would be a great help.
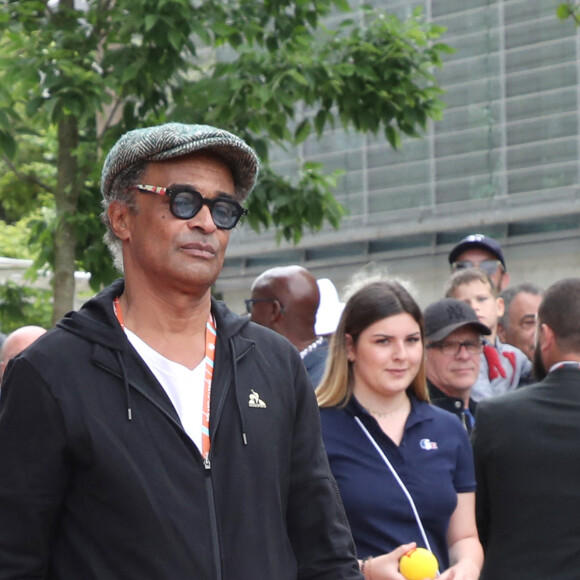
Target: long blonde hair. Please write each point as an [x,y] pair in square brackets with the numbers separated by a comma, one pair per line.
[371,303]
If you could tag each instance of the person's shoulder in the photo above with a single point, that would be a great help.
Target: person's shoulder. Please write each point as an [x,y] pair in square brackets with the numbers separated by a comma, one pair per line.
[427,411]
[440,416]
[521,358]
[333,413]
[232,323]
[509,400]
[336,422]
[268,337]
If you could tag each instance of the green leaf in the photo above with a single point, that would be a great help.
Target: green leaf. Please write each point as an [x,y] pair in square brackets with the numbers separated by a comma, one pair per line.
[393,137]
[299,78]
[175,39]
[150,21]
[320,121]
[7,144]
[342,5]
[564,11]
[130,73]
[302,132]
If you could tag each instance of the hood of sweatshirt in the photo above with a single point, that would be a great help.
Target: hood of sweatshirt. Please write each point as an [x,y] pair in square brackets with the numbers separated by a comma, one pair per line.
[96,319]
[97,323]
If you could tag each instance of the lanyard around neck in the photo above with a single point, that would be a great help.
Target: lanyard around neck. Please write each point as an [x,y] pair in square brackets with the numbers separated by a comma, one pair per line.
[210,341]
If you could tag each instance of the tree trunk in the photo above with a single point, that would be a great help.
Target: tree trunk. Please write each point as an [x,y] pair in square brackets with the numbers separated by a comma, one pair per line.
[66,199]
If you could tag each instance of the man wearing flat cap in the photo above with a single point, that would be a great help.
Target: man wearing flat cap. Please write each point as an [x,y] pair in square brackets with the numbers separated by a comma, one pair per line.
[453,337]
[154,434]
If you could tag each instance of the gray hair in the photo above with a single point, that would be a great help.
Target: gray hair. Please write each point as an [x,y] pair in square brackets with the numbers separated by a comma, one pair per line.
[510,293]
[122,192]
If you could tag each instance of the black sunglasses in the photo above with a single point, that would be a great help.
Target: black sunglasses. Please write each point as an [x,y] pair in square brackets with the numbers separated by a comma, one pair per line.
[488,266]
[186,202]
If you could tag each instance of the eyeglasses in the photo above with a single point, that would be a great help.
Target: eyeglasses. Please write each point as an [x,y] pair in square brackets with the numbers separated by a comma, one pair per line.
[186,202]
[250,303]
[452,348]
[488,266]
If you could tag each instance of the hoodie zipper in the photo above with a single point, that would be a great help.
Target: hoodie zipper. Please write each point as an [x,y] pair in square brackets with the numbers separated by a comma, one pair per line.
[213,524]
[212,518]
[207,466]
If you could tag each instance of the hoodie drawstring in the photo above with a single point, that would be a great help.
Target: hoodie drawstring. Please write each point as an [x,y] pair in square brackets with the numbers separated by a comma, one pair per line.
[126,386]
[236,391]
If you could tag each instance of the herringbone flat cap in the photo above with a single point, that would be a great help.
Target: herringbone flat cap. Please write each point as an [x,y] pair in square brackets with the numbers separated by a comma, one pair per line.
[175,140]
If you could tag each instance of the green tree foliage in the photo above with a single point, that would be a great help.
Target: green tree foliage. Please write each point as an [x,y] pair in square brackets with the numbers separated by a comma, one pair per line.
[569,10]
[74,78]
[21,305]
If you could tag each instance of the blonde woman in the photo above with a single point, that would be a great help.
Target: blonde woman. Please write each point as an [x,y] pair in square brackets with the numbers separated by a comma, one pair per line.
[403,466]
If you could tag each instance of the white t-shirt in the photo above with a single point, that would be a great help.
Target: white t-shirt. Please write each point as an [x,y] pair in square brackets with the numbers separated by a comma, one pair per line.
[184,387]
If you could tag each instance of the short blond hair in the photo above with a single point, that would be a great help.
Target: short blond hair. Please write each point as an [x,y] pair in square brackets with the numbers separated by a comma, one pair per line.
[467,276]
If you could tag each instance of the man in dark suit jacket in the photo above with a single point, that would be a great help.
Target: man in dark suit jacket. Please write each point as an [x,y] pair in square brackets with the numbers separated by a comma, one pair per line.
[527,456]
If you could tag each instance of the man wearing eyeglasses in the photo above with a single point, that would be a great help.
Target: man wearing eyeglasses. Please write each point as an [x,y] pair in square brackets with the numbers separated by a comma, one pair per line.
[286,299]
[453,336]
[154,434]
[483,252]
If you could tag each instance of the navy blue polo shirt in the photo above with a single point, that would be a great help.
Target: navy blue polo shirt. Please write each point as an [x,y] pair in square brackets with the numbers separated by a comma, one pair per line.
[434,460]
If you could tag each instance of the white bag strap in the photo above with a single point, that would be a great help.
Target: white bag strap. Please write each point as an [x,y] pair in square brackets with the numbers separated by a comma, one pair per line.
[398,480]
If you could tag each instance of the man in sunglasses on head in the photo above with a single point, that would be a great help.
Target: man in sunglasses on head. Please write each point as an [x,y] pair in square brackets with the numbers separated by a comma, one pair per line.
[480,251]
[154,434]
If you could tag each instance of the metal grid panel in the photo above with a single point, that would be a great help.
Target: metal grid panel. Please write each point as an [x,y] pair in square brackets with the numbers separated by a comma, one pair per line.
[510,131]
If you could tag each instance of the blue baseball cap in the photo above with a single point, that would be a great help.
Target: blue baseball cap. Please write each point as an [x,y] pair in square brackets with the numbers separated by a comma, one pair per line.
[477,241]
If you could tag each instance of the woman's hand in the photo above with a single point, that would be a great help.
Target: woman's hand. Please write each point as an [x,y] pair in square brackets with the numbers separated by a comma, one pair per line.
[463,570]
[386,567]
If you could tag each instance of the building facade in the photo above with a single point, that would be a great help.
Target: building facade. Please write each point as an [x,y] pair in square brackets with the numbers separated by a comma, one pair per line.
[504,161]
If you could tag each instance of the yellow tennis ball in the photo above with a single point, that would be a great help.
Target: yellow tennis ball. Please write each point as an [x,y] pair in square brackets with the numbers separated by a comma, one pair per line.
[418,564]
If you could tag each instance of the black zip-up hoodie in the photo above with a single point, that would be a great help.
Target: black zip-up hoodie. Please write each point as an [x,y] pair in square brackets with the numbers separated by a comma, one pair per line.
[98,479]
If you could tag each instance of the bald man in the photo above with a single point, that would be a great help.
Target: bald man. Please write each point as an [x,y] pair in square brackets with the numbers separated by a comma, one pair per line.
[17,341]
[286,299]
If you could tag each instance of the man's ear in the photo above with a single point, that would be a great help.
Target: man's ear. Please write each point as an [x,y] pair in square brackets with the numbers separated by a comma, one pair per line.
[501,332]
[504,281]
[276,311]
[547,337]
[500,307]
[117,213]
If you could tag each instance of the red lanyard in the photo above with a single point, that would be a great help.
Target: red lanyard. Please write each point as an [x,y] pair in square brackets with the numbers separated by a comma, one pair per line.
[210,340]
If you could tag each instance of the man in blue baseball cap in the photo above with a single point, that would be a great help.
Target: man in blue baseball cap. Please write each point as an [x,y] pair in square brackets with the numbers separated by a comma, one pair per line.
[477,250]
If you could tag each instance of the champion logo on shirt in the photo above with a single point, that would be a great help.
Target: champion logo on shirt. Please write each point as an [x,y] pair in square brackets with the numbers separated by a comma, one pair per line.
[255,401]
[427,444]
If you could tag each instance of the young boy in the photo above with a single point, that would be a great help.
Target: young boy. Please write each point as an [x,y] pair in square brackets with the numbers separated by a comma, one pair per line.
[503,366]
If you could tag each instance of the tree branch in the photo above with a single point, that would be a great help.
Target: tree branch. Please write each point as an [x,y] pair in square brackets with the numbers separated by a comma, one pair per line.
[27,177]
